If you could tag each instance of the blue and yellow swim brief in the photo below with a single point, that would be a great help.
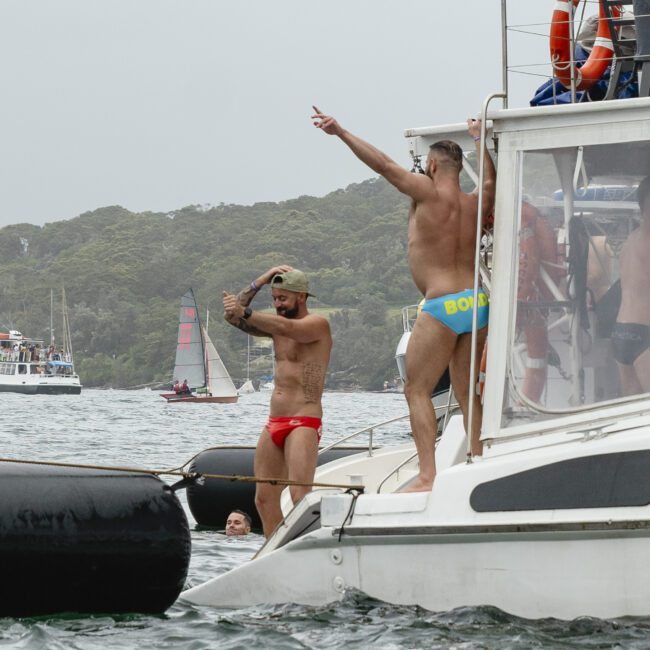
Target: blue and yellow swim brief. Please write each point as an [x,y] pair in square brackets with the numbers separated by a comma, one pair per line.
[455,310]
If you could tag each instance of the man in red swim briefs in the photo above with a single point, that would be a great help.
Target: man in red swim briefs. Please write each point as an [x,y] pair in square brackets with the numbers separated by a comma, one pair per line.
[288,445]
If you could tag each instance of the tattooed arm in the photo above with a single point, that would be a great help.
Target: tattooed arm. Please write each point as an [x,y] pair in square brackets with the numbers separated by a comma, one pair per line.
[244,325]
[233,313]
[246,295]
[309,329]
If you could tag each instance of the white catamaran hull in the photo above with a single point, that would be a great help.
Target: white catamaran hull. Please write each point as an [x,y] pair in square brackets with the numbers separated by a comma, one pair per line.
[437,551]
[563,574]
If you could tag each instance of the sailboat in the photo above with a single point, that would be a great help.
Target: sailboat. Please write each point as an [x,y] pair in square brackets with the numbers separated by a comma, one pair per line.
[247,387]
[198,361]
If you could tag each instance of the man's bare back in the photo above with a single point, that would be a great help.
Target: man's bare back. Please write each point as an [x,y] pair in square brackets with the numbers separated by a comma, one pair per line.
[441,241]
[441,244]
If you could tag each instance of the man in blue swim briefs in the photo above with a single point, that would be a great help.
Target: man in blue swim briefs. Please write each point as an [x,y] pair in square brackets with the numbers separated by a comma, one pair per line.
[441,243]
[288,444]
[631,332]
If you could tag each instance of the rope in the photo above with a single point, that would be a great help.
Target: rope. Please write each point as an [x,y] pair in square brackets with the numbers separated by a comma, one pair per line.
[189,475]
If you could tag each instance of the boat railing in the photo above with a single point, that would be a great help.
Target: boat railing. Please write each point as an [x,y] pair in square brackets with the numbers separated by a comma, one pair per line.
[409,314]
[396,469]
[27,356]
[442,423]
[369,430]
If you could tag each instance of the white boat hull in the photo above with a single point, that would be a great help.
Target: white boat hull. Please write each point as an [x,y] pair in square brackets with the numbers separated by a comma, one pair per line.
[445,549]
[531,574]
[38,385]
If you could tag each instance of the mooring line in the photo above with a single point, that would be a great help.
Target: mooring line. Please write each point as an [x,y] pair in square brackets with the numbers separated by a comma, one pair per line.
[188,475]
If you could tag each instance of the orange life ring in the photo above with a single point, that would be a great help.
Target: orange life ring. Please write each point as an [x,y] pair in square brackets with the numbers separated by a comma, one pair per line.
[599,58]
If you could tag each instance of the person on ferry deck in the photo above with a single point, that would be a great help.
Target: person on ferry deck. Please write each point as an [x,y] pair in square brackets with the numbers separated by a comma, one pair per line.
[631,332]
[441,245]
[238,523]
[288,444]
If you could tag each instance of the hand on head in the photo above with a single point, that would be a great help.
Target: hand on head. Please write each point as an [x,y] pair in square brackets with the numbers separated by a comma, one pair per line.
[326,122]
[272,272]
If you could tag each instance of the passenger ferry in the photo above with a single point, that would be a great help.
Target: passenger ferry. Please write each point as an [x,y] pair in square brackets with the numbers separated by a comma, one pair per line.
[29,366]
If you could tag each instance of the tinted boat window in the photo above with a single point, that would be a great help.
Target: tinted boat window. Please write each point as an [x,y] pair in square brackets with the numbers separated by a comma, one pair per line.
[581,325]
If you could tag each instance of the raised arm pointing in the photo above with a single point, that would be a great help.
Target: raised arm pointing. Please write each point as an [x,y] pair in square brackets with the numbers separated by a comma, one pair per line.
[417,186]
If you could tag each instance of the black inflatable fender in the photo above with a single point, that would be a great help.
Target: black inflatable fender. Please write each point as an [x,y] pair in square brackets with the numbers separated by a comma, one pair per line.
[88,541]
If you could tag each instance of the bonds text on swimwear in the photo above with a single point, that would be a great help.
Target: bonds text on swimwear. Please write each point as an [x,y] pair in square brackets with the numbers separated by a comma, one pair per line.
[464,303]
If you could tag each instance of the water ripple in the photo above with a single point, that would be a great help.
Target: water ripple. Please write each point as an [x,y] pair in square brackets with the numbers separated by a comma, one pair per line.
[138,429]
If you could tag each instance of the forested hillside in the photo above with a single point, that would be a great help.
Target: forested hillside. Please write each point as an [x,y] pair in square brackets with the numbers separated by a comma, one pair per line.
[124,274]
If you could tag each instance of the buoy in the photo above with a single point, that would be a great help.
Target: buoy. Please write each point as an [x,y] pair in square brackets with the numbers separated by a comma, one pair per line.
[560,44]
[89,541]
[213,500]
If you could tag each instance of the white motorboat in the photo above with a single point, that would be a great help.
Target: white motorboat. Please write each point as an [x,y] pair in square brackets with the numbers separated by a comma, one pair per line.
[554,518]
[30,366]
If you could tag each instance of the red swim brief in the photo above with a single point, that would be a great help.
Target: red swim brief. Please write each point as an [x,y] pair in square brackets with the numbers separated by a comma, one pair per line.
[280,428]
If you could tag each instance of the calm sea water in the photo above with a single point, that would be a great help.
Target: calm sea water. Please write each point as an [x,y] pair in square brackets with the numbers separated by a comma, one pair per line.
[137,429]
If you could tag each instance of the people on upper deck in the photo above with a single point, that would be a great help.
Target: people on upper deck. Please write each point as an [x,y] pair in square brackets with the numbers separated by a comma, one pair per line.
[631,332]
[441,250]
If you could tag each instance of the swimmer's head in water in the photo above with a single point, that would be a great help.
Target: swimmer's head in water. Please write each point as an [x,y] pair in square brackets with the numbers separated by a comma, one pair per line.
[448,156]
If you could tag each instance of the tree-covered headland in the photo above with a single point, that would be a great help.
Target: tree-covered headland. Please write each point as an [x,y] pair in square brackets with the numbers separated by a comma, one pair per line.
[124,274]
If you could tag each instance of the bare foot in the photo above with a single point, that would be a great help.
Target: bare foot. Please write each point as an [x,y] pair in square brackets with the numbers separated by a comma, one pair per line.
[418,484]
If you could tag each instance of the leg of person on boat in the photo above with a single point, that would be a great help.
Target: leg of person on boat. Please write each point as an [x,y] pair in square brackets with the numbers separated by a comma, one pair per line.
[288,445]
[294,460]
[441,245]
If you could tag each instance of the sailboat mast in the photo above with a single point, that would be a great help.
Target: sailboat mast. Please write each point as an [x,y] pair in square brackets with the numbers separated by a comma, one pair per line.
[51,316]
[206,379]
[66,328]
[64,342]
[248,357]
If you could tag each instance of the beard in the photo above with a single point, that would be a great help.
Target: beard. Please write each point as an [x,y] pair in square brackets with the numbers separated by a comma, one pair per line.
[287,312]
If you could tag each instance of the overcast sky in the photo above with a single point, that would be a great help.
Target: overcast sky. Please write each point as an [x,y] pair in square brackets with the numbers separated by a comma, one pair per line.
[158,104]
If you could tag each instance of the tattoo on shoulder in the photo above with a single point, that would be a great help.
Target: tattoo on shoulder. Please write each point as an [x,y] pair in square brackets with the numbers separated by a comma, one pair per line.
[245,326]
[312,381]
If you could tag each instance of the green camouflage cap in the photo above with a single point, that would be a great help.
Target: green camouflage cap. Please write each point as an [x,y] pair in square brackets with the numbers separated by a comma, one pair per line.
[292,281]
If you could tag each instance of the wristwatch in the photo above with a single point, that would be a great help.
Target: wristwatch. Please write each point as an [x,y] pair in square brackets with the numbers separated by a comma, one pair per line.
[247,312]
